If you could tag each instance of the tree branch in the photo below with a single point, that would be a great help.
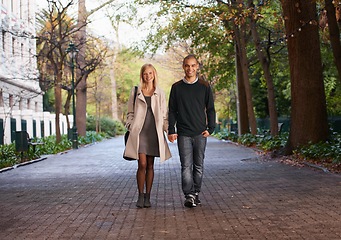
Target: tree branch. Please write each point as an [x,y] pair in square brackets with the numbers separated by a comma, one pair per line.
[99,7]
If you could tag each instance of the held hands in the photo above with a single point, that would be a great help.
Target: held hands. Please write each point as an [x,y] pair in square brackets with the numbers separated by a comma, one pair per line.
[172,137]
[205,133]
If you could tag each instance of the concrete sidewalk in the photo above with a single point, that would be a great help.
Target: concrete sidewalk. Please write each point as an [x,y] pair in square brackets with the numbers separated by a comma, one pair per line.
[90,193]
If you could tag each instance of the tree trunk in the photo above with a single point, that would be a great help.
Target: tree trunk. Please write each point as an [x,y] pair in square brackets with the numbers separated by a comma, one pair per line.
[97,116]
[67,108]
[241,47]
[114,108]
[334,33]
[309,122]
[243,122]
[117,49]
[265,63]
[58,104]
[81,88]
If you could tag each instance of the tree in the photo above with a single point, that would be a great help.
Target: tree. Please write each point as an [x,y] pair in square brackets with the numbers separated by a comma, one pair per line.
[56,28]
[309,122]
[81,91]
[95,56]
[243,123]
[115,22]
[100,95]
[198,29]
[334,32]
[200,23]
[239,26]
[265,63]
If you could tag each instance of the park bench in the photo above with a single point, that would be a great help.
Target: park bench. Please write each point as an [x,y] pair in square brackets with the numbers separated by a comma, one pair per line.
[34,144]
[23,142]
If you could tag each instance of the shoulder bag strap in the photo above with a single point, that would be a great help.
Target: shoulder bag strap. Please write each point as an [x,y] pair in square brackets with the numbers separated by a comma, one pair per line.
[135,92]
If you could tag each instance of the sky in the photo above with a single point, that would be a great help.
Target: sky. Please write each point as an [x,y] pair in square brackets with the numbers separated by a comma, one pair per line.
[101,26]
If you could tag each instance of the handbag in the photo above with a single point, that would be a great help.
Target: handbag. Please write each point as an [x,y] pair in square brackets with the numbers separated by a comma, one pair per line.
[126,135]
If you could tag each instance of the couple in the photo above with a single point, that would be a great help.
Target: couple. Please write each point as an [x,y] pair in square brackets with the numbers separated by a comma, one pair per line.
[190,120]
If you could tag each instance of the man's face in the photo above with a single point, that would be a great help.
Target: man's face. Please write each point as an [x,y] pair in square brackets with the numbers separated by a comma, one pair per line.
[190,67]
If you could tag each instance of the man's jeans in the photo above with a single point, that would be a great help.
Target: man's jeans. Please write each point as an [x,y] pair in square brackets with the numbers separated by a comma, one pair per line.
[192,153]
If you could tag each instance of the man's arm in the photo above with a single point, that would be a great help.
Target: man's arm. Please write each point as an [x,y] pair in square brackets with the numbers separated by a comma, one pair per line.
[172,112]
[210,112]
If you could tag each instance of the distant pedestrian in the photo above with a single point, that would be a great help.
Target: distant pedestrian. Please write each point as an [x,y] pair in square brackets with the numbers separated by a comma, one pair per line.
[147,123]
[191,117]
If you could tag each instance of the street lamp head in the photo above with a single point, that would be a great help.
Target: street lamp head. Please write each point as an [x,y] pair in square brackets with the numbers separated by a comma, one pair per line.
[72,50]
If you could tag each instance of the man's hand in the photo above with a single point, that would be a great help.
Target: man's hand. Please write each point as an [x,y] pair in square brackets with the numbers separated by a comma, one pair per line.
[172,137]
[205,133]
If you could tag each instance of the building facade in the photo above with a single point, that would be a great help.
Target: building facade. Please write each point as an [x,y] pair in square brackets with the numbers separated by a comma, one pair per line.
[21,99]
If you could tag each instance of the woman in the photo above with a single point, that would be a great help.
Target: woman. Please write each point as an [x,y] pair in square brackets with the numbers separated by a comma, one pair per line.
[147,122]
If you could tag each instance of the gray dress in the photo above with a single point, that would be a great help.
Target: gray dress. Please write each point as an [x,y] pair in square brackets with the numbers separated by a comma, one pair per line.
[149,143]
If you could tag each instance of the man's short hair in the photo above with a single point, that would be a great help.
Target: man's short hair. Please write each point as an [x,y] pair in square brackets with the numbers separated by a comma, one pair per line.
[190,56]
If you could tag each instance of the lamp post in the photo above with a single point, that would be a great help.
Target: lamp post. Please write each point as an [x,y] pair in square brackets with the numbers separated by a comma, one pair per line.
[72,52]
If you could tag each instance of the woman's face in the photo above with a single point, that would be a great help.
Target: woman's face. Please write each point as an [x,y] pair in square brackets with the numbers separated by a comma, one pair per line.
[148,75]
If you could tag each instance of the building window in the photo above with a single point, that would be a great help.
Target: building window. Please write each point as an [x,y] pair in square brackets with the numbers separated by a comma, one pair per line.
[29,57]
[12,6]
[28,104]
[13,46]
[22,51]
[3,40]
[20,104]
[11,100]
[1,99]
[28,11]
[21,8]
[36,106]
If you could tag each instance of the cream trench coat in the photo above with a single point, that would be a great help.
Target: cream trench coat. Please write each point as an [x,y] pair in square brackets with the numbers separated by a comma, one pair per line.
[135,121]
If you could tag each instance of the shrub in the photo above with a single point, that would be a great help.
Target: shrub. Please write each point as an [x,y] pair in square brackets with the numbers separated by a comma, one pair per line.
[248,140]
[326,151]
[120,128]
[8,155]
[108,126]
[225,134]
[269,142]
[91,137]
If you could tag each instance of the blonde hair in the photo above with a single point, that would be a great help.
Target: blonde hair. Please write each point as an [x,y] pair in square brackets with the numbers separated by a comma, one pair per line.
[143,68]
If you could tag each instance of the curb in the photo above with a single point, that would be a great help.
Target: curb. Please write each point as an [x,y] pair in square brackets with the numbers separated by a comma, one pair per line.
[317,167]
[22,164]
[39,159]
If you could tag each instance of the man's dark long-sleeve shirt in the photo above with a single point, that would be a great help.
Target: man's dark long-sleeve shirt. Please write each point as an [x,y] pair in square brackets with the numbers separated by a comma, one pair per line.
[191,108]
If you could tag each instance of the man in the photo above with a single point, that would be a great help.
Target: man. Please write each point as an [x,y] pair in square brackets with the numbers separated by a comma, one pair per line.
[191,119]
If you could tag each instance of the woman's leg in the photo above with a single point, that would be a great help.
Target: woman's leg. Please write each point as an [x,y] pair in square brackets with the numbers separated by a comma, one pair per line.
[141,178]
[141,172]
[149,173]
[149,180]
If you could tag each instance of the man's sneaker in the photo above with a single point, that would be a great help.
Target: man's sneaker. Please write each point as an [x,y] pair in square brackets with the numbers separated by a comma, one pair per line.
[197,200]
[190,202]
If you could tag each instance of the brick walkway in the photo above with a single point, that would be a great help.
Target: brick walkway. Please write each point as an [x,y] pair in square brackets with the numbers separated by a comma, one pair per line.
[90,193]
